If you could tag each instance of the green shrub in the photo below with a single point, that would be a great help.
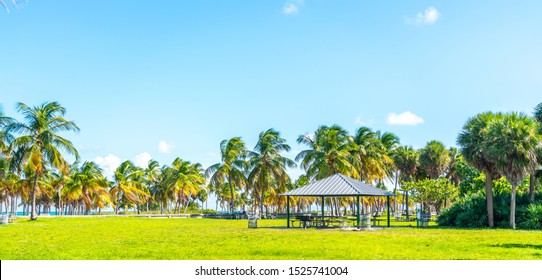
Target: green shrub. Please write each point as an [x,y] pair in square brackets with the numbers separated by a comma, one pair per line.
[471,212]
[531,217]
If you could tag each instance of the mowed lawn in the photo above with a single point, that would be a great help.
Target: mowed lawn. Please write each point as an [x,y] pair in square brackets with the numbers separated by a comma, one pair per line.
[132,238]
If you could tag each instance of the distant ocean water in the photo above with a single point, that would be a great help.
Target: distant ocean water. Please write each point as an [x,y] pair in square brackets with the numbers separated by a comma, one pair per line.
[48,214]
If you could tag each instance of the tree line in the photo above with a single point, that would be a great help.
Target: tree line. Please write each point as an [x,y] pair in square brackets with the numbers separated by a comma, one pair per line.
[34,173]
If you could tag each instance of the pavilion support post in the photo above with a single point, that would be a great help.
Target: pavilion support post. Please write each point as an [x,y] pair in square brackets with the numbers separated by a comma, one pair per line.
[323,210]
[288,211]
[389,223]
[358,212]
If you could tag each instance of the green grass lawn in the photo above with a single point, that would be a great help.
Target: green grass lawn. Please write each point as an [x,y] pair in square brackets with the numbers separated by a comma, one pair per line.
[131,238]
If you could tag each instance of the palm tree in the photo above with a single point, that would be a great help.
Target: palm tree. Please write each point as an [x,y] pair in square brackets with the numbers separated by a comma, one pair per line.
[15,3]
[372,159]
[268,166]
[532,176]
[434,159]
[153,175]
[329,153]
[184,180]
[232,169]
[511,144]
[128,188]
[405,160]
[40,146]
[5,136]
[91,185]
[472,140]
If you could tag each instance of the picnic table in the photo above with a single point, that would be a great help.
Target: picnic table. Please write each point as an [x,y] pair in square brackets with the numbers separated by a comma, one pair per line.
[307,221]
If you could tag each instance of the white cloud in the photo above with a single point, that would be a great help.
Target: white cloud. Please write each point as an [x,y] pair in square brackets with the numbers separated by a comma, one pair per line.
[406,118]
[142,160]
[360,121]
[292,7]
[109,164]
[164,147]
[429,16]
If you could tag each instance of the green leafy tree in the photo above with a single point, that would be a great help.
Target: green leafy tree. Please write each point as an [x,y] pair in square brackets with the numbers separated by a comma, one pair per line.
[39,145]
[511,144]
[433,192]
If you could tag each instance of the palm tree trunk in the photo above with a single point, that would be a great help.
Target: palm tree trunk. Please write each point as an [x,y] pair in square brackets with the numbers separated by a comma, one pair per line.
[513,207]
[532,179]
[33,215]
[407,208]
[232,199]
[489,199]
[395,191]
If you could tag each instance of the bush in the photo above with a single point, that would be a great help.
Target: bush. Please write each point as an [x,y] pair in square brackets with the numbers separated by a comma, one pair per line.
[471,212]
[531,217]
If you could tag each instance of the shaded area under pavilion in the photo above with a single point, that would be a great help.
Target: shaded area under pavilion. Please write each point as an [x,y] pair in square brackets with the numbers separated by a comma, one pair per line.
[337,185]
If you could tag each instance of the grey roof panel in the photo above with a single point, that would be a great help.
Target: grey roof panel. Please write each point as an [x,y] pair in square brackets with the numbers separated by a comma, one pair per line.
[337,185]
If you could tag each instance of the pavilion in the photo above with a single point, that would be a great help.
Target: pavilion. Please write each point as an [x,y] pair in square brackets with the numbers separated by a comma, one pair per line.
[337,185]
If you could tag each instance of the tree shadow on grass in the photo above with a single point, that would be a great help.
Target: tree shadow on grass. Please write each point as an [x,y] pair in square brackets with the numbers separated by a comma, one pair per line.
[519,246]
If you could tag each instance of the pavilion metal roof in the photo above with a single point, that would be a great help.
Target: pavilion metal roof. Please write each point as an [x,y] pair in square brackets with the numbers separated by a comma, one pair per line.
[337,185]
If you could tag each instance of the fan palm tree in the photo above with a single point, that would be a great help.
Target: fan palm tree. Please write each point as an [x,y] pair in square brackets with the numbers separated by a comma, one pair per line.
[268,166]
[472,141]
[329,153]
[532,176]
[511,144]
[232,169]
[434,159]
[39,146]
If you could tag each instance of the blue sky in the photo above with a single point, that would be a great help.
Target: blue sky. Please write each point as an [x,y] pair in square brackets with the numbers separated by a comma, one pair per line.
[188,74]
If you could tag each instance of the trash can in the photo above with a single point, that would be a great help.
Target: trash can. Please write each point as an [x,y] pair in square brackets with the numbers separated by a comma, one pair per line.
[253,221]
[365,221]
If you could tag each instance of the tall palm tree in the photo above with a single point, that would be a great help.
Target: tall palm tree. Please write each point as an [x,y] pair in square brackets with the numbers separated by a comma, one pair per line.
[371,159]
[451,170]
[532,176]
[472,141]
[434,159]
[153,174]
[390,143]
[15,3]
[511,145]
[231,170]
[128,188]
[184,180]
[5,136]
[405,160]
[39,146]
[329,153]
[91,185]
[268,166]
